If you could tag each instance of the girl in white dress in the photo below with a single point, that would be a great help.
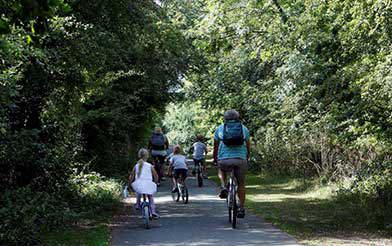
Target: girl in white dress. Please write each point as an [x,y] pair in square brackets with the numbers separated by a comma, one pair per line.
[142,176]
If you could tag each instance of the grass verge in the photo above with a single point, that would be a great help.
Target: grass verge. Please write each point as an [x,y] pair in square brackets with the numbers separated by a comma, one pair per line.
[94,236]
[310,212]
[97,201]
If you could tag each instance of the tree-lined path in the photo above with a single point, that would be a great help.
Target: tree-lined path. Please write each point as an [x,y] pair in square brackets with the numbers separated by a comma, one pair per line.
[84,83]
[201,222]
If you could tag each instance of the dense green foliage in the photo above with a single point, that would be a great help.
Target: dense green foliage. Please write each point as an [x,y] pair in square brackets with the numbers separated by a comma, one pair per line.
[185,121]
[27,213]
[81,83]
[311,79]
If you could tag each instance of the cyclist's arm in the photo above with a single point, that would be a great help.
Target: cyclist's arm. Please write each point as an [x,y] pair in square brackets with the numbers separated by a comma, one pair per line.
[169,172]
[132,176]
[149,145]
[215,153]
[247,143]
[154,174]
[170,167]
[247,149]
[166,143]
[191,150]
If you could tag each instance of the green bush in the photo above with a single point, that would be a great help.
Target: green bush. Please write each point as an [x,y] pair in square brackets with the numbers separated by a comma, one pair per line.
[95,193]
[372,187]
[25,213]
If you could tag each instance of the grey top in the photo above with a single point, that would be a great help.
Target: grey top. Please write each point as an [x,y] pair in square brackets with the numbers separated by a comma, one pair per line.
[178,162]
[158,152]
[199,150]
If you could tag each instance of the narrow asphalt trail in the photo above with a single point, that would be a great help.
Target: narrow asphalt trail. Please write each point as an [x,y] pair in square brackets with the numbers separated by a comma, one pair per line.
[203,221]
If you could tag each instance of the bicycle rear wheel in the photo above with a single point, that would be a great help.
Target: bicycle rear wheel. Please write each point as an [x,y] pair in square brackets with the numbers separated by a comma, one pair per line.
[234,209]
[184,195]
[179,192]
[229,208]
[199,178]
[146,217]
[175,196]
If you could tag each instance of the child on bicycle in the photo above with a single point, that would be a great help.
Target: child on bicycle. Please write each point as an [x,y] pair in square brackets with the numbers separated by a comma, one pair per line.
[199,149]
[142,176]
[178,166]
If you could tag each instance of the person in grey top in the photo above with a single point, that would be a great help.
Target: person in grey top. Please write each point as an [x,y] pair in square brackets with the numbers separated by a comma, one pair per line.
[178,167]
[199,149]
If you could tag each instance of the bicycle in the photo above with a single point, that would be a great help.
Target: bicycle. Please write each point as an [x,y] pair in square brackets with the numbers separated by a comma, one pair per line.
[232,199]
[146,212]
[158,163]
[199,172]
[182,191]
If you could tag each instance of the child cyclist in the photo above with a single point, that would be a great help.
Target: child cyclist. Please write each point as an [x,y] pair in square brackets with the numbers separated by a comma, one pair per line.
[178,165]
[142,176]
[199,150]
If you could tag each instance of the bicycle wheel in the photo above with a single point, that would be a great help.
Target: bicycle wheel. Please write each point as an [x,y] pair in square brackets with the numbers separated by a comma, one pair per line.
[199,178]
[229,207]
[146,216]
[184,195]
[178,193]
[234,209]
[175,196]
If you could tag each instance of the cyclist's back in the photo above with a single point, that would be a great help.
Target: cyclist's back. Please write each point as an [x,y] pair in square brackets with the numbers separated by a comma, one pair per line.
[158,143]
[231,149]
[178,165]
[199,150]
[178,161]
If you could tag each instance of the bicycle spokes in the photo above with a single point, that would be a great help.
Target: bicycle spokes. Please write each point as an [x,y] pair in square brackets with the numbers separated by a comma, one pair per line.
[232,204]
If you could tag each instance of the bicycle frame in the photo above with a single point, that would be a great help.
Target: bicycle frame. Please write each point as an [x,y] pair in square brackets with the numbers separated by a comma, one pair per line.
[146,213]
[159,166]
[199,166]
[198,169]
[232,199]
[180,184]
[182,190]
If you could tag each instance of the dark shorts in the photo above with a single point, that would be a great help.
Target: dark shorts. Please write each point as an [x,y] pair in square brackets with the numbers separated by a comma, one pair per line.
[159,158]
[198,162]
[240,168]
[180,171]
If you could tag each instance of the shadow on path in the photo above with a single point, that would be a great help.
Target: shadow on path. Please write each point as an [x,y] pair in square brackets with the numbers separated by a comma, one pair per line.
[203,221]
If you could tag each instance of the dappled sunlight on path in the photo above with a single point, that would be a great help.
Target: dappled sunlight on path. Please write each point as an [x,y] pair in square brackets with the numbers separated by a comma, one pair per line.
[203,221]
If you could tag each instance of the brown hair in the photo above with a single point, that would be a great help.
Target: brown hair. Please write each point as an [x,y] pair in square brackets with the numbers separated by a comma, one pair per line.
[177,149]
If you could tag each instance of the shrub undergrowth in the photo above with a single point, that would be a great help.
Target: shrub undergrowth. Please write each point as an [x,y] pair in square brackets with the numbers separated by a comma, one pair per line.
[26,213]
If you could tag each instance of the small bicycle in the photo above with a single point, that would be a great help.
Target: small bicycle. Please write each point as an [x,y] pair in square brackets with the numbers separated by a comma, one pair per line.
[198,169]
[232,199]
[182,191]
[146,212]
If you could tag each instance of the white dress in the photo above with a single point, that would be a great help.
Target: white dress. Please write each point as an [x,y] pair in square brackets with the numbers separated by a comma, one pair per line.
[143,184]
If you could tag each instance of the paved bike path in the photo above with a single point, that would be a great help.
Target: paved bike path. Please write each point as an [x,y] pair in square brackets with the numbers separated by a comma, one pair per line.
[203,221]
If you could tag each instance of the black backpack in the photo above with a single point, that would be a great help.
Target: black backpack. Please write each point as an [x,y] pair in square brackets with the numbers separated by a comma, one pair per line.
[233,133]
[158,141]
